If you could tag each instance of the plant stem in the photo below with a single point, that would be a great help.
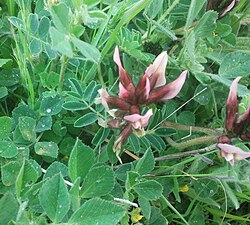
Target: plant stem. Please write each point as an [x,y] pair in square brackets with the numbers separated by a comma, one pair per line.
[195,141]
[208,131]
[184,154]
[62,71]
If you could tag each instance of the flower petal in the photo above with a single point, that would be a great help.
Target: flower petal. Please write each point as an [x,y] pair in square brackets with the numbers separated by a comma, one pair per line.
[157,71]
[124,77]
[143,89]
[228,150]
[138,121]
[168,91]
[103,98]
[232,105]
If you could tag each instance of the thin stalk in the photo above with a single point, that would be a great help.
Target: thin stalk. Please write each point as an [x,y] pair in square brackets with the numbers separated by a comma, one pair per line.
[195,141]
[62,72]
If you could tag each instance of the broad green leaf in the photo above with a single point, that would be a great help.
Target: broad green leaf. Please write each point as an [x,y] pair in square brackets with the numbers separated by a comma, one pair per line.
[81,160]
[76,86]
[5,124]
[89,90]
[50,51]
[89,51]
[206,24]
[46,149]
[149,189]
[27,127]
[9,172]
[75,195]
[111,154]
[165,30]
[33,18]
[235,64]
[204,97]
[26,176]
[231,195]
[98,182]
[60,42]
[205,187]
[51,105]
[18,23]
[146,163]
[197,216]
[44,124]
[4,61]
[97,211]
[154,8]
[122,171]
[8,208]
[3,92]
[194,9]
[145,206]
[85,120]
[44,26]
[8,149]
[35,47]
[74,106]
[54,168]
[54,198]
[131,180]
[60,17]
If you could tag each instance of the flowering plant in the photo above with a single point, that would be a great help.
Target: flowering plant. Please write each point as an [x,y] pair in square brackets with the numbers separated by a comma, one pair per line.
[131,99]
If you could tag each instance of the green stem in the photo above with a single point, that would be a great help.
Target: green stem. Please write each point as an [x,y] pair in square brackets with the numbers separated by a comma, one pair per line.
[189,143]
[173,208]
[62,72]
[209,131]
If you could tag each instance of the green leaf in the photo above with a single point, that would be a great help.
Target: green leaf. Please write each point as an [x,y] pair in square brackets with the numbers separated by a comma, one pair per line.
[74,106]
[35,47]
[33,18]
[231,195]
[75,195]
[43,28]
[54,168]
[8,149]
[44,124]
[98,182]
[89,51]
[206,24]
[154,8]
[27,127]
[9,172]
[204,97]
[205,188]
[4,61]
[5,124]
[165,30]
[104,212]
[81,160]
[85,120]
[145,164]
[134,143]
[60,42]
[194,9]
[60,17]
[156,141]
[46,148]
[100,136]
[18,23]
[235,64]
[164,132]
[8,208]
[51,105]
[3,92]
[145,206]
[150,189]
[54,198]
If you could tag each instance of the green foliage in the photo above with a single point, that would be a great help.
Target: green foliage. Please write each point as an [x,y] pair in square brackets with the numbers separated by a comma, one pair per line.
[57,158]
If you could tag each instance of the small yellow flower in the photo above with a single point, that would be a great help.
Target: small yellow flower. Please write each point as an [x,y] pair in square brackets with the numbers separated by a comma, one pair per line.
[135,215]
[185,188]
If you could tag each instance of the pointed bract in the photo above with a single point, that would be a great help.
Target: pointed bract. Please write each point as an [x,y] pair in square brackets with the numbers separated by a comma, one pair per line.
[168,91]
[156,71]
[138,121]
[232,153]
[232,105]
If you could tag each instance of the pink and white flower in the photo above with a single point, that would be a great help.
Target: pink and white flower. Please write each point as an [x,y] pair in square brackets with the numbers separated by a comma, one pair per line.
[232,153]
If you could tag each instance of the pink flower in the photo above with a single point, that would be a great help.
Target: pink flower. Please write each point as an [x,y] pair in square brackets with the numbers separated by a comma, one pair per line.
[235,123]
[138,121]
[232,153]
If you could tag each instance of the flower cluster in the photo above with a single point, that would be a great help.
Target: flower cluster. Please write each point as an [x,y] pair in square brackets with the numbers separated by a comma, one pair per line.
[128,104]
[236,125]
